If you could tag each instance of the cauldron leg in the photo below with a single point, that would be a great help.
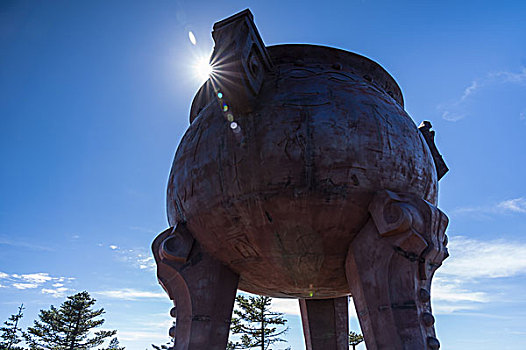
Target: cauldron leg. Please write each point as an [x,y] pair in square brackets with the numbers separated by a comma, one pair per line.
[325,323]
[203,290]
[389,268]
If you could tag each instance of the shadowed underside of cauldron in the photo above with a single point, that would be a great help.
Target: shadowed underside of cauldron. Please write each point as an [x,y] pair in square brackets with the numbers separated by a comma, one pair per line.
[280,199]
[302,176]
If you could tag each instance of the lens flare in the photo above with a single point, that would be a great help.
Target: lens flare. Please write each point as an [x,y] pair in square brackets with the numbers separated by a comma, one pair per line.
[192,38]
[203,69]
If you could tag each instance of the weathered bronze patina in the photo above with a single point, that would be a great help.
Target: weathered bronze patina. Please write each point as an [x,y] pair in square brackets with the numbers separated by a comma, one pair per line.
[301,176]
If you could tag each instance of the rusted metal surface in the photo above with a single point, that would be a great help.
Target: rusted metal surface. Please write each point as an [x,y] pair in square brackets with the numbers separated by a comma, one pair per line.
[389,267]
[325,323]
[280,201]
[202,289]
[288,148]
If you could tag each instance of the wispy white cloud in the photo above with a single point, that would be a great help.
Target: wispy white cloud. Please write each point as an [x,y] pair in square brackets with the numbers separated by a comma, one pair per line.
[286,306]
[452,116]
[57,292]
[153,336]
[470,90]
[5,240]
[456,286]
[131,294]
[509,77]
[153,321]
[508,206]
[33,281]
[38,278]
[472,259]
[451,295]
[457,109]
[113,247]
[138,257]
[142,330]
[146,262]
[517,205]
[451,291]
[516,332]
[25,285]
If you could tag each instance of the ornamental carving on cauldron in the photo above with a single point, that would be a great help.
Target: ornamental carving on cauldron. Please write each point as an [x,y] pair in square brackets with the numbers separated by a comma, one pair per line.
[301,176]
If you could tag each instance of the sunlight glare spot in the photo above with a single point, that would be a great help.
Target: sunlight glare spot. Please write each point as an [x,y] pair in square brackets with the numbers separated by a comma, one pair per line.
[192,38]
[203,69]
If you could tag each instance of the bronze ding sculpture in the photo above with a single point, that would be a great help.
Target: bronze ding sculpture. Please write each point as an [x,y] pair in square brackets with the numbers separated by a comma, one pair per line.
[301,176]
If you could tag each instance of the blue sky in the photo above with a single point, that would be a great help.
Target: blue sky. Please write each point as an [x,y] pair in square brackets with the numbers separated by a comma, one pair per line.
[95,96]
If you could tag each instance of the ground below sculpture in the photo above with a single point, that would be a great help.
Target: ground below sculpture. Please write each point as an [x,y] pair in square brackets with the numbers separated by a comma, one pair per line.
[301,176]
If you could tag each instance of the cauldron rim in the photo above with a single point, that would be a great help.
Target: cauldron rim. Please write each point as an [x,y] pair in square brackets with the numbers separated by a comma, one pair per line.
[379,76]
[340,59]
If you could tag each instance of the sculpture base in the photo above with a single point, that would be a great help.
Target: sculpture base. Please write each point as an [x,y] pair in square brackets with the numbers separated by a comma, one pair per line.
[389,267]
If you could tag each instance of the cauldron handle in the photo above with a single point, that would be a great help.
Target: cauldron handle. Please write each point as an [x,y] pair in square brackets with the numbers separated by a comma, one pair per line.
[240,61]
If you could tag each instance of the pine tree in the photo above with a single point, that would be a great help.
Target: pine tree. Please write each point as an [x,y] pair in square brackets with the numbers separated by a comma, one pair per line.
[164,346]
[68,327]
[114,345]
[11,332]
[254,321]
[355,339]
[168,345]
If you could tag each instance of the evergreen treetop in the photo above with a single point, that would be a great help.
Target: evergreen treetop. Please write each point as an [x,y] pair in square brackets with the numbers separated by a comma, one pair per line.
[114,345]
[69,326]
[256,324]
[11,332]
[355,339]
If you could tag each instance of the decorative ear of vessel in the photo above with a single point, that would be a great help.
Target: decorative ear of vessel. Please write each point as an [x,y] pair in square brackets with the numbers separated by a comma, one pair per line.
[301,176]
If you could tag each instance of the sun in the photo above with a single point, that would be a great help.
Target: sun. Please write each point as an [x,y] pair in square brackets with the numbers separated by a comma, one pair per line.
[202,69]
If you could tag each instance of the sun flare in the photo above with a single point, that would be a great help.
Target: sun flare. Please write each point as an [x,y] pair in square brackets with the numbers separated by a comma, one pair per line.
[202,69]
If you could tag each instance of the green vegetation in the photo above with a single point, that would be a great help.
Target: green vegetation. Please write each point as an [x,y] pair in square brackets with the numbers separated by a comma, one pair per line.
[69,326]
[11,332]
[355,339]
[256,324]
[114,345]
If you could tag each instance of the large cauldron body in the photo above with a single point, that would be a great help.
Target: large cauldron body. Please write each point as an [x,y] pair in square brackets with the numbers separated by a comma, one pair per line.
[279,199]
